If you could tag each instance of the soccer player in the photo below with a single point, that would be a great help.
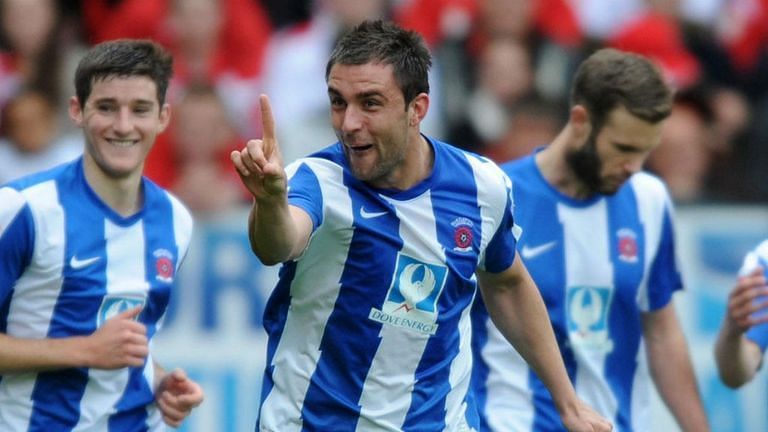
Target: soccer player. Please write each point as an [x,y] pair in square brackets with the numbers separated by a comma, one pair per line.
[383,236]
[597,238]
[743,336]
[88,255]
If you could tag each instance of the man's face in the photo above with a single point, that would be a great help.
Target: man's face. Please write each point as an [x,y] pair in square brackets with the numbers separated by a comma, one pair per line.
[120,121]
[613,153]
[369,116]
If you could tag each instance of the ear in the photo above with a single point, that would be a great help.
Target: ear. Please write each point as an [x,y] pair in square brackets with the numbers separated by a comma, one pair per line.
[579,121]
[165,116]
[75,111]
[418,109]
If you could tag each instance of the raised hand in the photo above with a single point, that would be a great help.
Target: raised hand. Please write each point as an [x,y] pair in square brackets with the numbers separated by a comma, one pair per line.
[176,396]
[120,342]
[259,163]
[748,302]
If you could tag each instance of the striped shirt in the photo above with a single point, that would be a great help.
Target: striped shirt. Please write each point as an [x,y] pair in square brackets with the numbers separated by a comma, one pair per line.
[67,264]
[369,329]
[599,263]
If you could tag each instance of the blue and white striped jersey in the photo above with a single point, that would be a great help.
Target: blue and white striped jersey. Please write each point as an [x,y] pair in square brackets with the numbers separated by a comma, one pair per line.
[370,329]
[755,258]
[599,263]
[67,264]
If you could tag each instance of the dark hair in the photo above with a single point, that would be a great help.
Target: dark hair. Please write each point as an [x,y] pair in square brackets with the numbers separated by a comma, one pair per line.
[610,78]
[124,58]
[386,43]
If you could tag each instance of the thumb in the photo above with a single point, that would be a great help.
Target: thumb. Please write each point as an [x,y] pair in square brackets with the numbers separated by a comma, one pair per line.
[130,313]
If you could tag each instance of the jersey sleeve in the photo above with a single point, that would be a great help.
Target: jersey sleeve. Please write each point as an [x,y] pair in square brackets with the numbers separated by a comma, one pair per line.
[754,259]
[664,277]
[304,192]
[17,239]
[500,252]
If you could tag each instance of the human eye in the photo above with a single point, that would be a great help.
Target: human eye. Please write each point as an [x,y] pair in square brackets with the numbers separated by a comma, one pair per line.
[337,102]
[105,107]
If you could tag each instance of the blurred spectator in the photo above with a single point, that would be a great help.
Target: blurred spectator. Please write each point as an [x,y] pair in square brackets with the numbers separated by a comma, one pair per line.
[533,122]
[504,77]
[202,137]
[114,19]
[221,43]
[33,50]
[30,140]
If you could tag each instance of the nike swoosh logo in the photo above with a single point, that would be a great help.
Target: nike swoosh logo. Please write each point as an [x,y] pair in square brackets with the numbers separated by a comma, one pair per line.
[369,215]
[532,252]
[78,264]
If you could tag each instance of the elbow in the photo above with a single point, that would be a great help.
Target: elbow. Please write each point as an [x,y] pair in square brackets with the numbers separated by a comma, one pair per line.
[733,381]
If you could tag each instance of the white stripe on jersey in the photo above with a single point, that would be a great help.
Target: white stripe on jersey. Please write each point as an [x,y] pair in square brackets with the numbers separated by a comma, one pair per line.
[106,387]
[652,198]
[11,199]
[292,373]
[419,234]
[491,193]
[33,301]
[584,229]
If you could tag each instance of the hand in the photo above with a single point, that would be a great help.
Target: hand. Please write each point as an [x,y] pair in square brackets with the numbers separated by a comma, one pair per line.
[259,163]
[119,343]
[176,396]
[744,302]
[584,419]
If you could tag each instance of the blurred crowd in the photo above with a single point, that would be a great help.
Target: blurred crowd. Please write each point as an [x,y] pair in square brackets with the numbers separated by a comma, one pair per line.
[499,80]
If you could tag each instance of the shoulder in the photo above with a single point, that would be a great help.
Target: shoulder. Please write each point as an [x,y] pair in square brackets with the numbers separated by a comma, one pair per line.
[486,172]
[182,216]
[649,184]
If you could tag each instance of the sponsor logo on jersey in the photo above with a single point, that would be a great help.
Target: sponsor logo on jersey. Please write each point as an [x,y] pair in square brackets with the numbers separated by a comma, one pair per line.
[627,243]
[113,305]
[411,301]
[462,234]
[587,314]
[164,265]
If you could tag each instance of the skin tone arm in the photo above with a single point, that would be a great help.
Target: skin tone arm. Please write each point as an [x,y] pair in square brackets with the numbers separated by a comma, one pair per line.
[277,231]
[738,358]
[671,368]
[518,311]
[176,395]
[119,343]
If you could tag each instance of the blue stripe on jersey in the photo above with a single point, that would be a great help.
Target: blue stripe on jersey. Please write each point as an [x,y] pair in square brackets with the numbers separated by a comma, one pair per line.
[17,243]
[365,266]
[57,394]
[627,239]
[456,211]
[303,193]
[664,279]
[480,369]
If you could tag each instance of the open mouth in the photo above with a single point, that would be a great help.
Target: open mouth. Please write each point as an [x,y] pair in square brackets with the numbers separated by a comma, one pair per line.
[360,148]
[121,143]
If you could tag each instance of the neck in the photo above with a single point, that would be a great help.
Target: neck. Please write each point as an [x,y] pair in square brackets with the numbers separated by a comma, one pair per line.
[123,195]
[555,169]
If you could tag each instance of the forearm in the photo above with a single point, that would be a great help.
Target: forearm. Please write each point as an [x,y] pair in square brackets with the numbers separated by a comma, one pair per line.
[519,313]
[737,359]
[272,232]
[672,372]
[35,355]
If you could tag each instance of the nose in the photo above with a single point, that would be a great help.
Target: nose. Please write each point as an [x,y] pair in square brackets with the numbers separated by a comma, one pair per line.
[351,120]
[124,121]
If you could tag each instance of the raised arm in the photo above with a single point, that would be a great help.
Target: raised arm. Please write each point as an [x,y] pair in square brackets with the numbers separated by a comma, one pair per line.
[518,311]
[277,232]
[737,357]
[671,368]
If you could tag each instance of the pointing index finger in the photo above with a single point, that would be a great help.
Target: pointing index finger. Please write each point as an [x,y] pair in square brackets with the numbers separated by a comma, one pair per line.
[267,125]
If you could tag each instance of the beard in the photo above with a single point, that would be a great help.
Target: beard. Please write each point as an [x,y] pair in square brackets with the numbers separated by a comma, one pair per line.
[586,164]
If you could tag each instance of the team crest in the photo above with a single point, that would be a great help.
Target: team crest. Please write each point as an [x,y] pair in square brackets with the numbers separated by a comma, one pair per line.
[113,305]
[587,314]
[164,267]
[411,301]
[462,234]
[627,244]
